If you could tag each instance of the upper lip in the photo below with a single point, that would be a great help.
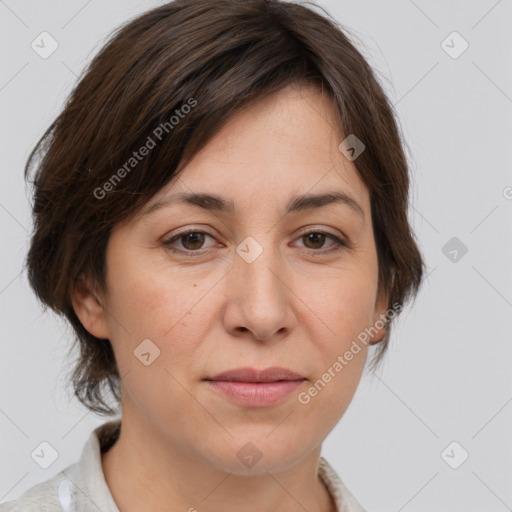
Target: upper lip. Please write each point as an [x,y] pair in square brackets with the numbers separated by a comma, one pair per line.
[272,374]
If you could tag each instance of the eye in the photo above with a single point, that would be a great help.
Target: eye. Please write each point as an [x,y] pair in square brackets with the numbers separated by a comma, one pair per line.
[315,240]
[191,241]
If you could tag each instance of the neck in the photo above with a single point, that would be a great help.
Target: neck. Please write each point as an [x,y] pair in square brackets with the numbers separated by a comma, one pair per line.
[177,480]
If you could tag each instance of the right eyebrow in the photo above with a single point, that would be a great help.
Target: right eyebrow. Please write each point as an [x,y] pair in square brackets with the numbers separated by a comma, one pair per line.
[205,201]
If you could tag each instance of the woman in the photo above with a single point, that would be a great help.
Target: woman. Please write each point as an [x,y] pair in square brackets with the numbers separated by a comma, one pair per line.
[221,214]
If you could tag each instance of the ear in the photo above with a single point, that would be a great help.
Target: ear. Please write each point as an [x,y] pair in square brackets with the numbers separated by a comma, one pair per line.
[88,307]
[380,320]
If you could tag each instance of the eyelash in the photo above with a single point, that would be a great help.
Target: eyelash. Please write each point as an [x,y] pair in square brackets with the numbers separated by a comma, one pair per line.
[337,246]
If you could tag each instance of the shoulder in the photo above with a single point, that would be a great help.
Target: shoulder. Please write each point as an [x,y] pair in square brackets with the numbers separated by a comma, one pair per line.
[345,501]
[80,486]
[47,496]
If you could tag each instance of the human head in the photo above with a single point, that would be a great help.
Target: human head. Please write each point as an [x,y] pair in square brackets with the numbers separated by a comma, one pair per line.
[218,58]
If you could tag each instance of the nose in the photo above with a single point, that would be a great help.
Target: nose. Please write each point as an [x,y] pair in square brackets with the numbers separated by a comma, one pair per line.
[259,298]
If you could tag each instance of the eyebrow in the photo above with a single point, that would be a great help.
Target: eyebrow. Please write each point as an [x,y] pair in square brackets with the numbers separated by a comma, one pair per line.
[216,203]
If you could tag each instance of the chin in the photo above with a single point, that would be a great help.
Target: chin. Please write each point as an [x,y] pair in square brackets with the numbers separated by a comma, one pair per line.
[260,452]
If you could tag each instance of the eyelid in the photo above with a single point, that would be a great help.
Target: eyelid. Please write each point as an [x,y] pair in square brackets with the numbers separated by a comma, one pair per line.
[168,241]
[339,242]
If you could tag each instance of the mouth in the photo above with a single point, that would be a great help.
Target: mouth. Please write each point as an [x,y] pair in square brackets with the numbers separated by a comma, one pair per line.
[253,375]
[251,387]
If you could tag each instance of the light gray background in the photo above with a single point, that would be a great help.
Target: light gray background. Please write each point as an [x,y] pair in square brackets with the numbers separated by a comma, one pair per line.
[447,375]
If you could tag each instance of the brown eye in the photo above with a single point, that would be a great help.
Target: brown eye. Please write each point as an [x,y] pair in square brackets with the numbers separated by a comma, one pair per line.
[189,242]
[314,240]
[192,241]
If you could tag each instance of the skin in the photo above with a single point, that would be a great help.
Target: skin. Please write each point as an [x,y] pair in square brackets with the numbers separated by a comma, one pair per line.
[299,305]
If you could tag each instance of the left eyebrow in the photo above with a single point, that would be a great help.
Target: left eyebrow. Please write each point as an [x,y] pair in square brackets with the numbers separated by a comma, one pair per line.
[216,203]
[307,202]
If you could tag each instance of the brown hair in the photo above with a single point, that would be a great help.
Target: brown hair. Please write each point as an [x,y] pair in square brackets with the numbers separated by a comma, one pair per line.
[216,57]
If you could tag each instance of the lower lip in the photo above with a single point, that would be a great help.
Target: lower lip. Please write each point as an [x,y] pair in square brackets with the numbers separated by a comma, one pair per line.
[255,394]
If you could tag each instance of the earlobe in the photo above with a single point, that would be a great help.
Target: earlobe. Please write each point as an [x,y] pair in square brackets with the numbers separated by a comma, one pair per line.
[378,337]
[89,309]
[380,321]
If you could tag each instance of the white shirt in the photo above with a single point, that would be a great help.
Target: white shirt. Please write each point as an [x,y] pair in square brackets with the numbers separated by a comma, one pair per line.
[81,487]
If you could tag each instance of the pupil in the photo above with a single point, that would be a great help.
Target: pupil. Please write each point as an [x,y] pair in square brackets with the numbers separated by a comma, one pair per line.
[194,239]
[315,238]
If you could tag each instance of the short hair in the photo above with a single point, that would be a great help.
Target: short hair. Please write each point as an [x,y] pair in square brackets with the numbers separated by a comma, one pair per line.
[178,73]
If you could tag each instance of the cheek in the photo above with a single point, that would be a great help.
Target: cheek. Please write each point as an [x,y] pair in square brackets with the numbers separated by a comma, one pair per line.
[339,311]
[173,313]
[341,358]
[343,305]
[166,306]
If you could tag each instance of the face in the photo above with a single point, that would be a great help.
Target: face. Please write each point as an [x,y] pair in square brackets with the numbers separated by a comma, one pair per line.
[256,278]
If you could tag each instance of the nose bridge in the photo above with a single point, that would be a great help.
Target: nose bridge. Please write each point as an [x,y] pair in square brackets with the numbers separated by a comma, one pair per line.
[259,300]
[257,267]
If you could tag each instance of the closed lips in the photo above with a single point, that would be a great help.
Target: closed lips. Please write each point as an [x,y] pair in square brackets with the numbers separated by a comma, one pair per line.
[273,374]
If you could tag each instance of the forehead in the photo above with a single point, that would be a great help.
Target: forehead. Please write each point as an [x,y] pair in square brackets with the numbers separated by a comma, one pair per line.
[283,145]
